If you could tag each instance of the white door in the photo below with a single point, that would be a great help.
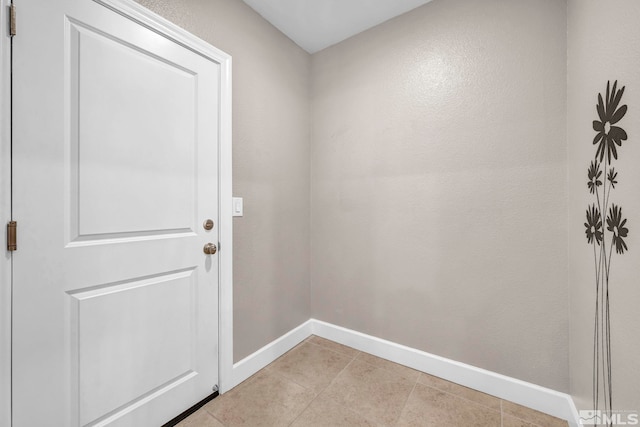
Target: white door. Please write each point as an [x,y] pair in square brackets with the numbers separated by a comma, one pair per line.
[115,170]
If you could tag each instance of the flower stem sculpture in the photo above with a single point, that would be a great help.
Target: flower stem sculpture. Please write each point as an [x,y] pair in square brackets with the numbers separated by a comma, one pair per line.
[608,139]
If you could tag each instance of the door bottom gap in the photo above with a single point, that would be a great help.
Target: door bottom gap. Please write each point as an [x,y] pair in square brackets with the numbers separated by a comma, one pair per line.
[191,410]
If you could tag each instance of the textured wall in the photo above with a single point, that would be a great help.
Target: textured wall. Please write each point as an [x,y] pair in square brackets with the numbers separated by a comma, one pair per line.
[439,184]
[270,164]
[604,44]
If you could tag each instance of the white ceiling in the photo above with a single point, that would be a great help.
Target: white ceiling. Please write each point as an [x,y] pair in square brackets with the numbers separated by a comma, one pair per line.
[316,24]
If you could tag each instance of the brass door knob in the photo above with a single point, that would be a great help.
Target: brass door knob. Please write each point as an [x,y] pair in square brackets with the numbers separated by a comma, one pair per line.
[210,249]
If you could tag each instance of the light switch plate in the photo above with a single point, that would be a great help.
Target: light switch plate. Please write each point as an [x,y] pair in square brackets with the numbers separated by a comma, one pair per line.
[238,206]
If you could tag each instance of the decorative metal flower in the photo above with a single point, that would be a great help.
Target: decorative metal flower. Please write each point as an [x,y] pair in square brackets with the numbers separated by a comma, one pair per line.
[608,135]
[616,225]
[593,225]
[594,173]
[612,177]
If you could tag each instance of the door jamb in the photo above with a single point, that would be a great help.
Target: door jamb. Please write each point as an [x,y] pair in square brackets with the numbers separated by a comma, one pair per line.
[5,214]
[154,22]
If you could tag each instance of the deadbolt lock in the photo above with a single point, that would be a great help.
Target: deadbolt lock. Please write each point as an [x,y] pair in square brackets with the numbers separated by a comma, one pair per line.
[210,249]
[208,224]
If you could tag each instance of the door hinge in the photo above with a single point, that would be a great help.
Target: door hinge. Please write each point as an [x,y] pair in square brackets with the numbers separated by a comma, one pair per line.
[12,20]
[12,230]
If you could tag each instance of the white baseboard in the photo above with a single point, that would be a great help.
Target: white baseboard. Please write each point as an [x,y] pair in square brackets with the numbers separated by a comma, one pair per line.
[267,354]
[533,396]
[574,420]
[523,393]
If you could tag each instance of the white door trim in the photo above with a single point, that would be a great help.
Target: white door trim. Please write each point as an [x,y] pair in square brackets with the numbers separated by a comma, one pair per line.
[5,215]
[156,23]
[171,31]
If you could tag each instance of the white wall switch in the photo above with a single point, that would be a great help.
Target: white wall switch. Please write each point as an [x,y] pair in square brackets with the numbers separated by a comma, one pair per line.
[238,208]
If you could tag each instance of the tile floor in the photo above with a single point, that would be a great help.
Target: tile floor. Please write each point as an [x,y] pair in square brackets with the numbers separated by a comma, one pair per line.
[325,384]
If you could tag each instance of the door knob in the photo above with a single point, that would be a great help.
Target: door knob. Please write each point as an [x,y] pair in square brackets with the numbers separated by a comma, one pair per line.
[210,249]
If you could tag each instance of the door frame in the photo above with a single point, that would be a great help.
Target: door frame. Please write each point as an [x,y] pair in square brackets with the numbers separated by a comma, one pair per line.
[154,22]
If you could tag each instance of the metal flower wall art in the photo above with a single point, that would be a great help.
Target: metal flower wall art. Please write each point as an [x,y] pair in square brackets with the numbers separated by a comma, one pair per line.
[606,230]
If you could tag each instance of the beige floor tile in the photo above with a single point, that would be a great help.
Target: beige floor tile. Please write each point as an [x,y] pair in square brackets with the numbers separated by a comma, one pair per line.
[200,418]
[428,407]
[325,413]
[459,390]
[531,416]
[403,371]
[265,400]
[331,345]
[509,421]
[310,365]
[372,392]
[356,389]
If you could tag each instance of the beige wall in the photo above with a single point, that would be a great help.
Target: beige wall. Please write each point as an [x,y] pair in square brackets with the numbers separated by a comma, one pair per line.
[270,165]
[604,44]
[439,185]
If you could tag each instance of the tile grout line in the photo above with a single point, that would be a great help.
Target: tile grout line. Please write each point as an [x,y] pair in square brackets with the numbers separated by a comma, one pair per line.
[356,359]
[303,410]
[436,388]
[465,399]
[385,369]
[340,404]
[330,349]
[341,371]
[417,381]
[534,424]
[420,373]
[325,387]
[528,421]
[217,419]
[404,406]
[283,376]
[359,353]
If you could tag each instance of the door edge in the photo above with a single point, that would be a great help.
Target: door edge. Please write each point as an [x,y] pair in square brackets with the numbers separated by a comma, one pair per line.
[5,212]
